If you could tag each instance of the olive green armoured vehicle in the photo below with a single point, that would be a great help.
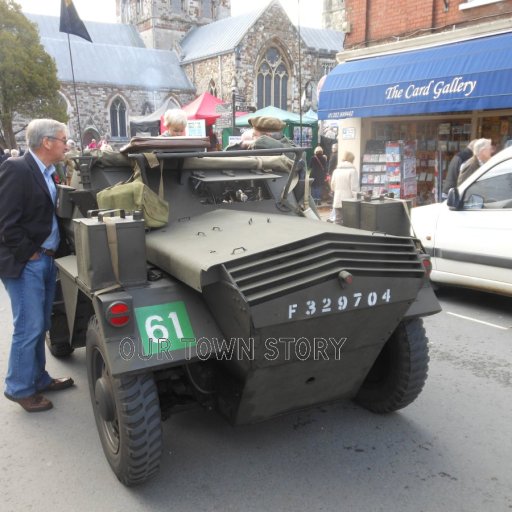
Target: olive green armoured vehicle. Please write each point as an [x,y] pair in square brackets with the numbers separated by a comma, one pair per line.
[244,302]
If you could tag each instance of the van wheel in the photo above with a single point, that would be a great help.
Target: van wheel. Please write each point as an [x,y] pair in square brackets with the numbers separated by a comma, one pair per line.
[399,372]
[127,414]
[57,338]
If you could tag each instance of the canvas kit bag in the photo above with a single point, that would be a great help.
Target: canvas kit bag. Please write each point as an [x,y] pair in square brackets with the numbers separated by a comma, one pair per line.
[133,194]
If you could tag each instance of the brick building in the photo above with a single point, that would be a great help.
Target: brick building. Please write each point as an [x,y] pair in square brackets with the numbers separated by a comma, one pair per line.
[163,53]
[436,72]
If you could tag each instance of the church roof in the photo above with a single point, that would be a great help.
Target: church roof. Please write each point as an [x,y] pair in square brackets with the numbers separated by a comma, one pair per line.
[218,37]
[101,33]
[117,56]
[322,40]
[224,35]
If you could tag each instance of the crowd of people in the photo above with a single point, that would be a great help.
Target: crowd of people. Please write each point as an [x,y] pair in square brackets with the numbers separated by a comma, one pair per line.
[466,162]
[333,178]
[9,153]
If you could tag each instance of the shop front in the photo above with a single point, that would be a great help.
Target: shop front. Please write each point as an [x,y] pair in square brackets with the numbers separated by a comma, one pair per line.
[414,110]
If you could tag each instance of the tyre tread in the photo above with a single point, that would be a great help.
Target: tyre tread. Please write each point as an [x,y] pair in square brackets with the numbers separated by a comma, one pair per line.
[413,370]
[138,410]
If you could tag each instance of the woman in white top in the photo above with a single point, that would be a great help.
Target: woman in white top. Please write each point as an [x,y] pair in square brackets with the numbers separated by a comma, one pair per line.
[344,184]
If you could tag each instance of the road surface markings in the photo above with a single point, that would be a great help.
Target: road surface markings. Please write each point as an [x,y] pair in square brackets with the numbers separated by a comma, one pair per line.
[478,321]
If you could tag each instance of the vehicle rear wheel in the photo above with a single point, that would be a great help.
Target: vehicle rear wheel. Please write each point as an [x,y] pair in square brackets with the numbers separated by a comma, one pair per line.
[127,414]
[57,338]
[399,372]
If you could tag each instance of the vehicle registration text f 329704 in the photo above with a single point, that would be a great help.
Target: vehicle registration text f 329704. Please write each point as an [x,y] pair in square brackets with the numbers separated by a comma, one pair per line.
[325,305]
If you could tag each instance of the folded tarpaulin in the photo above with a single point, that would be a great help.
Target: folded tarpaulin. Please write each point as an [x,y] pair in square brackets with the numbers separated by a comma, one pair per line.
[143,144]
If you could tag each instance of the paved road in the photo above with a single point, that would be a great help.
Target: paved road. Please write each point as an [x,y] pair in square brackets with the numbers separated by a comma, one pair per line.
[449,451]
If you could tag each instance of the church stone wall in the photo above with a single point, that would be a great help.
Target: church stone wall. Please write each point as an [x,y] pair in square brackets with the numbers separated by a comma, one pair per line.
[163,23]
[220,69]
[274,28]
[94,105]
[334,14]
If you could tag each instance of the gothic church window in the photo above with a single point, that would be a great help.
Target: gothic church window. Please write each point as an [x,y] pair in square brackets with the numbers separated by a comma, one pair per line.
[272,81]
[118,118]
[212,88]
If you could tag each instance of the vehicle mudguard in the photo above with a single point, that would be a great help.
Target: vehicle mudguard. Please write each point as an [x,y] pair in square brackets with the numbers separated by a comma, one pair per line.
[425,304]
[165,317]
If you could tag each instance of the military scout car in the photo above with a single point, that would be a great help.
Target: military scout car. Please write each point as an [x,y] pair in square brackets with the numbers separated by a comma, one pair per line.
[244,301]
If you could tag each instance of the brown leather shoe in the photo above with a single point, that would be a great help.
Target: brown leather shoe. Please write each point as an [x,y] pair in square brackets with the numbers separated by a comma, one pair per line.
[59,384]
[34,403]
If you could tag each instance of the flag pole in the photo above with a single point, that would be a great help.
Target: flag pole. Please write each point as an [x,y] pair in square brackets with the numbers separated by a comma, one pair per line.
[76,97]
[300,75]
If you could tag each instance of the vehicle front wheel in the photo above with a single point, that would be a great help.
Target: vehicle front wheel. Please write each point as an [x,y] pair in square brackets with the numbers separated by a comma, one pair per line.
[127,414]
[399,372]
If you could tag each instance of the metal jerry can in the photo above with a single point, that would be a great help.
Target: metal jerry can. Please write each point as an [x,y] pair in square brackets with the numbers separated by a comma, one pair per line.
[110,249]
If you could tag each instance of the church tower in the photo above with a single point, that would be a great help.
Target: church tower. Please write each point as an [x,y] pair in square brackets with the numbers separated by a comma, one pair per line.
[163,23]
[334,15]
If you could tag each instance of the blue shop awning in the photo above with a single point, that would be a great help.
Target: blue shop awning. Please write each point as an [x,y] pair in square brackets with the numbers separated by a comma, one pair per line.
[462,76]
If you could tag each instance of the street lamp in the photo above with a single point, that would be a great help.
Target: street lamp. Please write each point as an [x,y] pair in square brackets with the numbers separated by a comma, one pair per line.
[234,90]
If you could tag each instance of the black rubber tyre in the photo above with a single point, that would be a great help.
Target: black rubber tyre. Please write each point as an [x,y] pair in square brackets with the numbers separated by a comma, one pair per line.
[57,338]
[131,433]
[400,371]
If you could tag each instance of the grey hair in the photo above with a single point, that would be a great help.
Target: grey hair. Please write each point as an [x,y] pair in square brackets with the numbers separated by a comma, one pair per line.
[175,117]
[481,144]
[38,129]
[472,144]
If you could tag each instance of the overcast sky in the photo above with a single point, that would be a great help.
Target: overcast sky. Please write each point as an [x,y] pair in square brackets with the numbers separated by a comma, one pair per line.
[105,10]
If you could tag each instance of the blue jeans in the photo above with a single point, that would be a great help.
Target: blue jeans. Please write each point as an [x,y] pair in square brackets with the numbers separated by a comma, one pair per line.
[316,192]
[31,297]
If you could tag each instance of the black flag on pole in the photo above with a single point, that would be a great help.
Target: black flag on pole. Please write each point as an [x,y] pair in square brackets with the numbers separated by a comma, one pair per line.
[70,22]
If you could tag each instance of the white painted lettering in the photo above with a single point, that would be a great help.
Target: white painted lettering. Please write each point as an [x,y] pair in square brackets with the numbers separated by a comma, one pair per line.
[394,92]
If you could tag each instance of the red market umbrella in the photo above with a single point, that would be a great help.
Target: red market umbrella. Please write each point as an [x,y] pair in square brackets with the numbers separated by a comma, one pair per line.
[204,107]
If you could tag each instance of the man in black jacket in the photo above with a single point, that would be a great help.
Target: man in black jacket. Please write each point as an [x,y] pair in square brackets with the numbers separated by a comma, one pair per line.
[454,167]
[29,238]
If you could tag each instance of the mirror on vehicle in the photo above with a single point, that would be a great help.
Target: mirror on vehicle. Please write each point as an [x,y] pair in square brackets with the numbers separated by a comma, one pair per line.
[474,202]
[453,200]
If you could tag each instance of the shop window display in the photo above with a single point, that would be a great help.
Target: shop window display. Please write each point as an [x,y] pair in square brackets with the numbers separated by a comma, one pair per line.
[496,128]
[436,142]
[389,168]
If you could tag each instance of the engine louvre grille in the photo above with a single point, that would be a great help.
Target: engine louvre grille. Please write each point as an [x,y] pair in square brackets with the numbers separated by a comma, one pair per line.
[311,261]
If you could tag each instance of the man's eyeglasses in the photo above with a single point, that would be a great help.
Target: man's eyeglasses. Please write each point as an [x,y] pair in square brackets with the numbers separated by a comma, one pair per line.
[63,140]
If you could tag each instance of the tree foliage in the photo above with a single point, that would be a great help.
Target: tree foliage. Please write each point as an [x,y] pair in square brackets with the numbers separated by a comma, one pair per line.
[28,75]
